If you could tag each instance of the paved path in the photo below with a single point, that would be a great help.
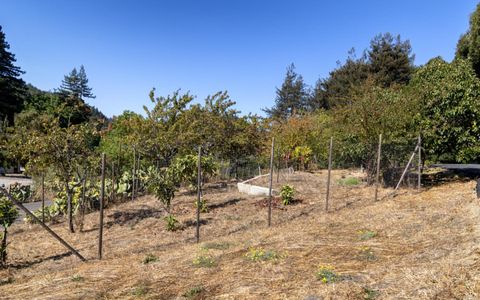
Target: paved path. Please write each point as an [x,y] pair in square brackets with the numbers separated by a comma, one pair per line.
[11,179]
[31,206]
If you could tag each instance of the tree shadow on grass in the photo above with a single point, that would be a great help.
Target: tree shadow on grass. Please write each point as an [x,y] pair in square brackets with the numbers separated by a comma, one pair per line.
[28,264]
[224,204]
[130,217]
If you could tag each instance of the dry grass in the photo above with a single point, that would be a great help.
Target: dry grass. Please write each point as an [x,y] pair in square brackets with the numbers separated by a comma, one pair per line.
[425,247]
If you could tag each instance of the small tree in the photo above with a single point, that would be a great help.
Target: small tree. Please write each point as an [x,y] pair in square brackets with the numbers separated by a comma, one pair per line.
[185,168]
[8,214]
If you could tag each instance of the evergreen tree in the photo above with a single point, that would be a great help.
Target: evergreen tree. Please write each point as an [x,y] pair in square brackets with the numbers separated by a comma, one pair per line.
[335,90]
[291,97]
[72,92]
[390,60]
[12,87]
[75,84]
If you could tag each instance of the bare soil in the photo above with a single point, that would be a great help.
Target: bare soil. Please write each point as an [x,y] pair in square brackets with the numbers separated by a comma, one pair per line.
[417,245]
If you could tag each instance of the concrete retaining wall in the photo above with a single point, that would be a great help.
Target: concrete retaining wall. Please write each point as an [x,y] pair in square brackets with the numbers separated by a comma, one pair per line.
[254,190]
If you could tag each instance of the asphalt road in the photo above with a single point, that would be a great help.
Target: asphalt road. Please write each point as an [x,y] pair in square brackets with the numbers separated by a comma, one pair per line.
[17,178]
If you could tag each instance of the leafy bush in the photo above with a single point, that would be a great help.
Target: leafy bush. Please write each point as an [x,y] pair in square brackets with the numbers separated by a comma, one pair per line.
[287,192]
[162,184]
[8,214]
[186,169]
[302,156]
[20,192]
[171,223]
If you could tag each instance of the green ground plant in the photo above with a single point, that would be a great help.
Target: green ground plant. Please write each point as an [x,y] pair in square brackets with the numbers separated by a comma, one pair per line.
[194,291]
[204,260]
[261,255]
[326,274]
[149,258]
[286,193]
[171,223]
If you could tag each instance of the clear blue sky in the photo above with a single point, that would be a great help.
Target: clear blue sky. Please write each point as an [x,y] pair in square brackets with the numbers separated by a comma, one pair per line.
[128,47]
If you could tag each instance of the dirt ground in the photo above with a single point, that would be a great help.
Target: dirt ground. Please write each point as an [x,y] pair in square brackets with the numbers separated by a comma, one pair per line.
[417,245]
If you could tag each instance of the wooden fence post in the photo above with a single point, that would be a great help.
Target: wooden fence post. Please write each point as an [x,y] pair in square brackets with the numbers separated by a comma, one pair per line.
[329,173]
[43,197]
[270,186]
[199,187]
[102,196]
[419,161]
[50,231]
[133,172]
[406,169]
[112,196]
[379,155]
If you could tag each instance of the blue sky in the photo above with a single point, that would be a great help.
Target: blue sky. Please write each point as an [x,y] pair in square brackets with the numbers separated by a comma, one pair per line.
[128,47]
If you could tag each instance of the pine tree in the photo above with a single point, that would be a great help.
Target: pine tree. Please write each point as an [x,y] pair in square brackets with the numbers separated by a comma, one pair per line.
[12,87]
[390,60]
[72,92]
[291,97]
[75,84]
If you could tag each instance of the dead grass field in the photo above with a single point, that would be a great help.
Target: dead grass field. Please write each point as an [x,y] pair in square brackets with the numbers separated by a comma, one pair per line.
[413,246]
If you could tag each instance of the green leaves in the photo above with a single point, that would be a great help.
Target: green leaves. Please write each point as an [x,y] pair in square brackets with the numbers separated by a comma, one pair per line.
[449,97]
[8,212]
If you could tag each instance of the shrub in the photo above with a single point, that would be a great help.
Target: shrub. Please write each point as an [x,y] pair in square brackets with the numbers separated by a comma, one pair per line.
[171,223]
[8,214]
[186,169]
[326,274]
[162,184]
[286,193]
[20,192]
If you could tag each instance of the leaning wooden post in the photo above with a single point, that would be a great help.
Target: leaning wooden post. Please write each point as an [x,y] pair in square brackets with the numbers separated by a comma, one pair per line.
[270,186]
[133,172]
[377,176]
[419,162]
[102,196]
[50,231]
[329,173]
[43,197]
[112,196]
[199,187]
[406,168]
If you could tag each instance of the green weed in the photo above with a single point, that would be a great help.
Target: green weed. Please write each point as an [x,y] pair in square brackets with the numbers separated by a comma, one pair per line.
[326,274]
[149,259]
[193,292]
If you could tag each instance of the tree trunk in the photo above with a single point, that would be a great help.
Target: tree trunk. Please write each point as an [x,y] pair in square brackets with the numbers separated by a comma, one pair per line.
[69,208]
[3,248]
